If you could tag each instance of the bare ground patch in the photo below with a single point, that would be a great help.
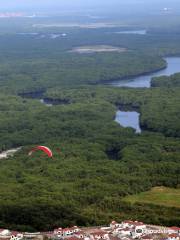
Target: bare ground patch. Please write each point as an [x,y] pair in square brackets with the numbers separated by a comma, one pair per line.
[97,49]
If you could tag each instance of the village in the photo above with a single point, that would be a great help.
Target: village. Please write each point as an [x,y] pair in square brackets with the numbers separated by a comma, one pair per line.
[126,230]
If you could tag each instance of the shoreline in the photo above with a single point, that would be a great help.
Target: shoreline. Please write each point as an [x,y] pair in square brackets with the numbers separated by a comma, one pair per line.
[40,93]
[107,82]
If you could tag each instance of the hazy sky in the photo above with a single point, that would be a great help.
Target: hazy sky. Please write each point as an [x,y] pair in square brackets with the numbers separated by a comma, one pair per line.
[69,4]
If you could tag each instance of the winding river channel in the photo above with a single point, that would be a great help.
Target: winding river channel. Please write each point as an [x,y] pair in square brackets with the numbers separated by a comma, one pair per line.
[124,118]
[173,66]
[131,118]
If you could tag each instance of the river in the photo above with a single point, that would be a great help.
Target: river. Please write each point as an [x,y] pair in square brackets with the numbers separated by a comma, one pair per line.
[124,118]
[131,119]
[173,66]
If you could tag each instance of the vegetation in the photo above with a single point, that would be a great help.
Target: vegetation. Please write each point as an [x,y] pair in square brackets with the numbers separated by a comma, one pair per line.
[166,81]
[159,107]
[96,162]
[97,165]
[159,196]
[69,69]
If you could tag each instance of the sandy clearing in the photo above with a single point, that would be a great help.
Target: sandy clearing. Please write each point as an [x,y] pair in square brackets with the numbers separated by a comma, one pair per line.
[9,153]
[97,49]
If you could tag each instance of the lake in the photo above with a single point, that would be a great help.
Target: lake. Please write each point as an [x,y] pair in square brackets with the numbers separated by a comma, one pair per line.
[128,119]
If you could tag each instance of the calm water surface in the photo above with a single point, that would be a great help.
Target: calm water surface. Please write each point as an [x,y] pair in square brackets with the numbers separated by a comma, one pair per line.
[131,119]
[128,119]
[173,66]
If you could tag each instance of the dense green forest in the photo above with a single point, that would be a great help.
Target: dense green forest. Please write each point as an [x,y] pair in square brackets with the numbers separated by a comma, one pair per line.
[31,60]
[159,107]
[72,69]
[96,161]
[166,81]
[97,164]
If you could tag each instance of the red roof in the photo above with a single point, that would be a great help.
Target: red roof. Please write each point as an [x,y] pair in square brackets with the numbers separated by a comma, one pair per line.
[80,233]
[113,222]
[128,221]
[58,230]
[67,229]
[14,233]
[113,238]
[173,235]
[70,229]
[100,233]
[72,238]
[147,237]
[138,224]
[175,228]
[75,227]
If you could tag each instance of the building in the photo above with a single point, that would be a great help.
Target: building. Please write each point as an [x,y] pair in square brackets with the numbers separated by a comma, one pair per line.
[173,236]
[114,225]
[99,235]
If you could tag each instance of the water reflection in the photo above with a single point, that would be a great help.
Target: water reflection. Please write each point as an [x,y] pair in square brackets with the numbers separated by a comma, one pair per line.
[128,119]
[173,66]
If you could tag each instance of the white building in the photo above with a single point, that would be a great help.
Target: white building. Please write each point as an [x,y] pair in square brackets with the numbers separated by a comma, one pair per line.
[99,235]
[114,225]
[16,236]
[5,232]
[173,236]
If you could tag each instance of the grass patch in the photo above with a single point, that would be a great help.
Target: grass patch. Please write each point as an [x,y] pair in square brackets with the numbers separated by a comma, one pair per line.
[169,197]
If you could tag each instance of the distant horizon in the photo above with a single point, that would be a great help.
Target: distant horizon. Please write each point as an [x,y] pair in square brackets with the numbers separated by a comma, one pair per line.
[81,5]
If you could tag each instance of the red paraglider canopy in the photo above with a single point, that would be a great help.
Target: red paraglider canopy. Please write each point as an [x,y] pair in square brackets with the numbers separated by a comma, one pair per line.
[42,148]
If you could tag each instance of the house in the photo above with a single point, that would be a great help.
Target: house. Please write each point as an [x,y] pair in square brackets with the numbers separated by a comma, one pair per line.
[116,231]
[173,236]
[99,235]
[111,237]
[5,232]
[125,232]
[67,231]
[58,232]
[174,230]
[16,236]
[32,235]
[75,229]
[127,224]
[114,225]
[139,229]
[80,234]
[131,228]
[71,238]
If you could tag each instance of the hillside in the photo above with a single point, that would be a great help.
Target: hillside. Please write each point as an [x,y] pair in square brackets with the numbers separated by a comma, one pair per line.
[94,165]
[168,197]
[96,162]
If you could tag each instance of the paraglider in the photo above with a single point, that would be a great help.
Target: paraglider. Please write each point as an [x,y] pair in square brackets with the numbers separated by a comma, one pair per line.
[42,148]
